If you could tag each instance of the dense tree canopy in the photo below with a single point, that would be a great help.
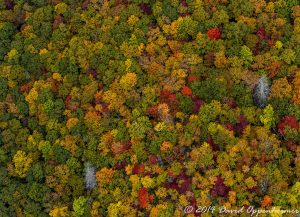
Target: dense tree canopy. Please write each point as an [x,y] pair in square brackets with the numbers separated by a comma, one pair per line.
[142,107]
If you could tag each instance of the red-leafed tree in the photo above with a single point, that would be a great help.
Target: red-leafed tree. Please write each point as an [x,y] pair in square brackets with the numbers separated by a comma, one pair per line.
[138,169]
[143,196]
[219,189]
[186,90]
[290,121]
[214,33]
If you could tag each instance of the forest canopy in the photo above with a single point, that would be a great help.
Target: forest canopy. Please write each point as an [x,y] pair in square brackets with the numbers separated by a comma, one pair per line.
[143,107]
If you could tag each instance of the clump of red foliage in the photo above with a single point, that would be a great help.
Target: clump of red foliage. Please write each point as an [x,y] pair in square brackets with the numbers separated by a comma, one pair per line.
[138,169]
[169,98]
[290,121]
[214,33]
[143,197]
[192,78]
[219,189]
[121,165]
[153,112]
[184,3]
[25,87]
[241,125]
[186,90]
[181,183]
[261,33]
[213,146]
[146,8]
[197,104]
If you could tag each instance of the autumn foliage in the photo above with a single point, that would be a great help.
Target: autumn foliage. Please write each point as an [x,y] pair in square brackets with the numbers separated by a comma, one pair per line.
[214,33]
[142,108]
